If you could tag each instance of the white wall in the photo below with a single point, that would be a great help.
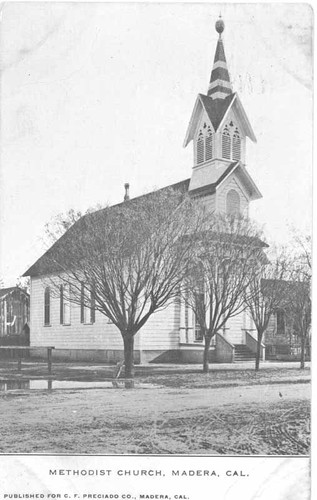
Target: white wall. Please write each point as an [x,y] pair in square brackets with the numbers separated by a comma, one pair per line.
[160,332]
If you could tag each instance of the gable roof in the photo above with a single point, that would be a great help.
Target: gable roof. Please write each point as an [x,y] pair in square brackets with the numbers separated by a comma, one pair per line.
[45,264]
[217,110]
[219,175]
[246,178]
[214,180]
[7,291]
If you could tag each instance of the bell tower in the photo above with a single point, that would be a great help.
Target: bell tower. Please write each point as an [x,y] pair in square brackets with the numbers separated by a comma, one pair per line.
[218,128]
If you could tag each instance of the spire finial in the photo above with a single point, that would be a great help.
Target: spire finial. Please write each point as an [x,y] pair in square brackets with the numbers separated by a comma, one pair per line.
[220,25]
[219,84]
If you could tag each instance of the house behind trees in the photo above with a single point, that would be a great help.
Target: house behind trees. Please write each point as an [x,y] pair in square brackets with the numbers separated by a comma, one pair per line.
[14,314]
[282,338]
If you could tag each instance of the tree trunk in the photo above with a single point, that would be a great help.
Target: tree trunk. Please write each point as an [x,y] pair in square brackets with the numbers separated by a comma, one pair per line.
[258,351]
[128,341]
[206,355]
[302,351]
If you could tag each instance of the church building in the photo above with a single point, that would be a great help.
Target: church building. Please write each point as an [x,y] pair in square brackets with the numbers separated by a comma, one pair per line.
[218,130]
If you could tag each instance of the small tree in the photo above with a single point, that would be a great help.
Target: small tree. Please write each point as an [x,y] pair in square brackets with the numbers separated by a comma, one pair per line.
[128,261]
[221,272]
[299,300]
[266,293]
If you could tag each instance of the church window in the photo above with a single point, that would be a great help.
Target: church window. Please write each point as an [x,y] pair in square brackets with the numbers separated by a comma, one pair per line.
[280,322]
[87,305]
[200,307]
[47,306]
[200,148]
[209,144]
[226,144]
[65,305]
[233,202]
[236,145]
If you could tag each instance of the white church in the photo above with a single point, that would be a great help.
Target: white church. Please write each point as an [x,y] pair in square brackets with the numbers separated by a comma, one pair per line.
[218,129]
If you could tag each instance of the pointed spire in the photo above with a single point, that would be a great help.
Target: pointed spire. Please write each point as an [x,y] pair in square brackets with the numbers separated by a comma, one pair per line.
[219,85]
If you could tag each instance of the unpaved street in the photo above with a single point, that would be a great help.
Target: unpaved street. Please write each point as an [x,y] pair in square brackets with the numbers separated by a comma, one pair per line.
[245,419]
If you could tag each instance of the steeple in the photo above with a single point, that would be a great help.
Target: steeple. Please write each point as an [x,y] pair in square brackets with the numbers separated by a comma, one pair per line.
[219,85]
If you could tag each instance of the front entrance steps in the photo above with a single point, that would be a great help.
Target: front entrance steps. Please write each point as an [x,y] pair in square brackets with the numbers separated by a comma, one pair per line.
[243,353]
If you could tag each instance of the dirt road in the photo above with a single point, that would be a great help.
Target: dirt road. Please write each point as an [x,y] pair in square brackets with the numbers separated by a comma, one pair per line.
[157,420]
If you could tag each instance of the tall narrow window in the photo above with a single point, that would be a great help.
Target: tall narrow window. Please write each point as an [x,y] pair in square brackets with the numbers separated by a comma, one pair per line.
[200,313]
[280,321]
[61,304]
[64,304]
[209,144]
[47,306]
[82,303]
[200,148]
[233,202]
[186,305]
[87,305]
[92,305]
[236,145]
[226,144]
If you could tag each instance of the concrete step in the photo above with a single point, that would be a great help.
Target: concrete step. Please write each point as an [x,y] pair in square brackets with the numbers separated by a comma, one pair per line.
[243,353]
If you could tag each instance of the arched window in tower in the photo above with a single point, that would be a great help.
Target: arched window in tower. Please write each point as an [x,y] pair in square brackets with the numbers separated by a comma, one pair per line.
[226,143]
[236,145]
[209,144]
[200,148]
[233,202]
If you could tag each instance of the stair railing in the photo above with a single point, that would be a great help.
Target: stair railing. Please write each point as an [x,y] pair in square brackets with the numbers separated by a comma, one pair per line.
[252,344]
[224,349]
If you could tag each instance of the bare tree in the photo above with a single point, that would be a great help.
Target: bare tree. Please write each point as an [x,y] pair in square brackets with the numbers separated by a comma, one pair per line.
[128,261]
[299,298]
[60,223]
[24,283]
[267,291]
[221,272]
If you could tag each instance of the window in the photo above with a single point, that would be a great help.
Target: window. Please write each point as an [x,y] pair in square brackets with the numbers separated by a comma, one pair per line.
[47,306]
[200,312]
[200,148]
[233,202]
[87,305]
[204,145]
[65,305]
[280,322]
[226,143]
[208,144]
[236,145]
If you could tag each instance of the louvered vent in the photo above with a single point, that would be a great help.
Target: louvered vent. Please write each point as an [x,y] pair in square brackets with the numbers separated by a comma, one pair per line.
[200,148]
[209,144]
[236,146]
[226,144]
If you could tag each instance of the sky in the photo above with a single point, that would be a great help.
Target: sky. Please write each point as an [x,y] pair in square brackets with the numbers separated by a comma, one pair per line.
[96,95]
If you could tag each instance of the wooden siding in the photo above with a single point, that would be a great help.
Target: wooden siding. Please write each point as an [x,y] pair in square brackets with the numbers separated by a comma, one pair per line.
[160,332]
[233,332]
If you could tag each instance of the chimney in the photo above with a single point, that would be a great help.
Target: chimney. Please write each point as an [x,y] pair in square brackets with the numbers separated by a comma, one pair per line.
[126,187]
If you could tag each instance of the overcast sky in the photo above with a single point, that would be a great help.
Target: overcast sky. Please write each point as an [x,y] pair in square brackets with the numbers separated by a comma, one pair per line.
[96,95]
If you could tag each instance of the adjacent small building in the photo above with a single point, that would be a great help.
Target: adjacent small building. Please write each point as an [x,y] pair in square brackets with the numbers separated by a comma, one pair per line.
[14,314]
